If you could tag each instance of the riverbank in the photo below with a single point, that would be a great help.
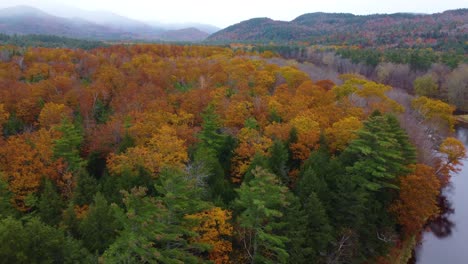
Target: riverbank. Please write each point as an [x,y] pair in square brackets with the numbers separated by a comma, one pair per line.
[462,120]
[444,240]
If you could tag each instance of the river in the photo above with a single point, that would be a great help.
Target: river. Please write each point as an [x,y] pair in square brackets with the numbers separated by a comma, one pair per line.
[446,239]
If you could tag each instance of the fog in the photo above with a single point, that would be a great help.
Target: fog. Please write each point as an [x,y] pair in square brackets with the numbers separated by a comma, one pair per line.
[225,13]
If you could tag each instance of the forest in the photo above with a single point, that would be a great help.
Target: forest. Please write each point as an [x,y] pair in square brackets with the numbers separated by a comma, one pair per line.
[157,153]
[423,71]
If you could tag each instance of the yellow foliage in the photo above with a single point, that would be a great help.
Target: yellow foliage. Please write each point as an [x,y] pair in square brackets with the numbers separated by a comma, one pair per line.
[308,134]
[164,149]
[145,123]
[435,110]
[53,114]
[342,132]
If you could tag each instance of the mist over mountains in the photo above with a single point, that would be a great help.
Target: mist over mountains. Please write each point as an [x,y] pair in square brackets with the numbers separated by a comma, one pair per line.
[100,25]
[449,28]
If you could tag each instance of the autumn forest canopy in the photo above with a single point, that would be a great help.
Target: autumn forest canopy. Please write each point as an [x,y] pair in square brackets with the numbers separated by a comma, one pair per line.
[208,154]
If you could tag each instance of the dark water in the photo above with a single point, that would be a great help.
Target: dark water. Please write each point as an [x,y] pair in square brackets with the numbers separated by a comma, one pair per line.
[446,240]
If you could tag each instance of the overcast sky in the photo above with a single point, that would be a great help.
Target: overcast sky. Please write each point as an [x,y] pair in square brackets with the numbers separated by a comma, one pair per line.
[224,13]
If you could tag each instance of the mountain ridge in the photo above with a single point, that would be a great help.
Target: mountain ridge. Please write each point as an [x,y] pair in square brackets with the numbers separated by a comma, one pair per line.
[346,28]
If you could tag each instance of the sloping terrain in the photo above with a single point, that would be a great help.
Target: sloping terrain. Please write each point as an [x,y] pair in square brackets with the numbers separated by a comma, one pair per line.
[336,28]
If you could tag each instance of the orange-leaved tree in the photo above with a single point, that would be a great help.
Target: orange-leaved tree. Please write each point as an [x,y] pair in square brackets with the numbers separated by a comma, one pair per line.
[214,229]
[418,199]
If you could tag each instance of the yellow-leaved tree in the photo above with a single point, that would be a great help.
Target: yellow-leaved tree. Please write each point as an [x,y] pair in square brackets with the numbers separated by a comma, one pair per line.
[164,149]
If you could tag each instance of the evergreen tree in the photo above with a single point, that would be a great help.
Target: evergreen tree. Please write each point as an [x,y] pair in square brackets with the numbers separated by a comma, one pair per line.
[278,161]
[318,229]
[296,231]
[6,208]
[407,149]
[99,228]
[257,161]
[35,242]
[378,157]
[70,222]
[210,135]
[86,188]
[50,204]
[293,138]
[68,146]
[261,202]
[313,176]
[155,229]
[219,188]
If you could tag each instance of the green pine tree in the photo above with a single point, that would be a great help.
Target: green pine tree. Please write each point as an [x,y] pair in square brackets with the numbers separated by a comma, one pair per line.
[261,204]
[278,161]
[50,204]
[86,188]
[378,157]
[154,228]
[6,208]
[36,242]
[99,228]
[68,146]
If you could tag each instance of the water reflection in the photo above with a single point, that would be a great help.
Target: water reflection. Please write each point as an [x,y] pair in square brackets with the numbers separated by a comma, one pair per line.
[442,226]
[444,240]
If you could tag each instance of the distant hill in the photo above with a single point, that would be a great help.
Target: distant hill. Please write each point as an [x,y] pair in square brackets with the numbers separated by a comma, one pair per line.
[341,28]
[186,34]
[94,25]
[262,29]
[210,29]
[27,20]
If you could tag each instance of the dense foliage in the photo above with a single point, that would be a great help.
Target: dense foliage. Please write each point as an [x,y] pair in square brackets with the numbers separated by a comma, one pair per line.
[48,41]
[441,30]
[193,154]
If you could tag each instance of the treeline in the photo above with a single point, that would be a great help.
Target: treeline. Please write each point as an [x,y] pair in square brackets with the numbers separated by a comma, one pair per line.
[192,154]
[441,75]
[418,59]
[48,41]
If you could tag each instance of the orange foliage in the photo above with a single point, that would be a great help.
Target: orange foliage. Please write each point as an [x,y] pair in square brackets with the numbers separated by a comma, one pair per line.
[308,132]
[214,229]
[250,143]
[418,199]
[25,160]
[4,115]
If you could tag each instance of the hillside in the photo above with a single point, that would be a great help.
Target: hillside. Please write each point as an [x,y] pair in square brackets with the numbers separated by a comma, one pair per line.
[186,34]
[98,25]
[262,29]
[23,20]
[370,30]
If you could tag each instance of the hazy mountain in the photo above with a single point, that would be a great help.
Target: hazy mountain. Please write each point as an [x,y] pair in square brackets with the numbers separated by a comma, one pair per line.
[186,34]
[28,20]
[334,28]
[175,26]
[101,25]
[100,17]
